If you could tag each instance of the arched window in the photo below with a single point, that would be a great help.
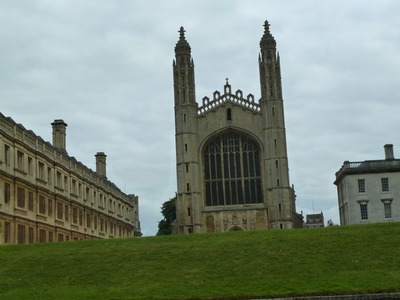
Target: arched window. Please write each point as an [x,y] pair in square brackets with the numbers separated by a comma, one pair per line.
[232,170]
[229,114]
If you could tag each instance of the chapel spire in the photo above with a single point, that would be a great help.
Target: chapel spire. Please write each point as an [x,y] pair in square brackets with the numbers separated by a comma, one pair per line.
[267,40]
[182,46]
[183,72]
[270,70]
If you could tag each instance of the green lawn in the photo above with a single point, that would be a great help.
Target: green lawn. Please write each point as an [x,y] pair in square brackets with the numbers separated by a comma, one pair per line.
[233,265]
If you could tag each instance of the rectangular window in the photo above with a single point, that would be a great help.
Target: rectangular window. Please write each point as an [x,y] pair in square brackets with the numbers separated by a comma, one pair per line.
[95,222]
[101,204]
[101,225]
[7,155]
[361,185]
[50,207]
[30,168]
[7,193]
[50,236]
[59,210]
[21,197]
[42,235]
[30,201]
[21,234]
[66,213]
[80,218]
[385,184]
[66,183]
[41,174]
[20,160]
[49,175]
[364,211]
[87,194]
[74,215]
[88,220]
[31,235]
[42,205]
[59,183]
[387,206]
[7,232]
[73,187]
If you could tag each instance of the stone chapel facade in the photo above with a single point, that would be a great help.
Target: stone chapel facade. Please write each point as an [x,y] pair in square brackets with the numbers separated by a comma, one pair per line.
[232,165]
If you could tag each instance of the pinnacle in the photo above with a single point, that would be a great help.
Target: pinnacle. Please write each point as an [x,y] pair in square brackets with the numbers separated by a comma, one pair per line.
[182,46]
[267,41]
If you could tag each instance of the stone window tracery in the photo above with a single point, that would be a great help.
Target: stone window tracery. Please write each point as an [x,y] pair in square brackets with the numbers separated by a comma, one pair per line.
[232,170]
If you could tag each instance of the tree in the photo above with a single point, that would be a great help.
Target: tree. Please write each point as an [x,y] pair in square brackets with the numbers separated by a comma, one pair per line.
[168,210]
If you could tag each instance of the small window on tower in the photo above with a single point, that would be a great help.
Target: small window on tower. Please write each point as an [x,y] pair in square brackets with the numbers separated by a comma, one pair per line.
[187,168]
[184,117]
[229,114]
[186,147]
[273,111]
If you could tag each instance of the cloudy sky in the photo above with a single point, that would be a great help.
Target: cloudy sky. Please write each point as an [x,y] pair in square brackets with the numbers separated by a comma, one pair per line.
[105,68]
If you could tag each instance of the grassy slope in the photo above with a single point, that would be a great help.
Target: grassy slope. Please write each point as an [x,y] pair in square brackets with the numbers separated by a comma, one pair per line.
[230,265]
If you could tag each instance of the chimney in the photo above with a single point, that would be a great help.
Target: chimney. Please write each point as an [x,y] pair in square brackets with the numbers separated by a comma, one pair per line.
[59,135]
[389,152]
[101,164]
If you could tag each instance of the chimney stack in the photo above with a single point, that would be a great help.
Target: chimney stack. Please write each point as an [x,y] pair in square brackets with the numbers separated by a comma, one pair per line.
[101,164]
[59,135]
[389,152]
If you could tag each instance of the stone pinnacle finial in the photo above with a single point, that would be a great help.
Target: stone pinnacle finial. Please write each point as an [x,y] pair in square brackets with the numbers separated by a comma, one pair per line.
[267,41]
[182,46]
[182,33]
[266,27]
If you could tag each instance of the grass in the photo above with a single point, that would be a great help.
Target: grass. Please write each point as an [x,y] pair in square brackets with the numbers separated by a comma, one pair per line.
[233,265]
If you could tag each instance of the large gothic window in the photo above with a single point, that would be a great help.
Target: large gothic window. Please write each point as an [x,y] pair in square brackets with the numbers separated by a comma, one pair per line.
[232,170]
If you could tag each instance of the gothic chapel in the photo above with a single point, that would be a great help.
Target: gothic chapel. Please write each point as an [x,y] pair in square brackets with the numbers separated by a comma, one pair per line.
[232,165]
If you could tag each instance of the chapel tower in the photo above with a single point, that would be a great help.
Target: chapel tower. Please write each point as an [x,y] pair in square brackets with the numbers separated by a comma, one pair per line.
[186,134]
[279,193]
[231,157]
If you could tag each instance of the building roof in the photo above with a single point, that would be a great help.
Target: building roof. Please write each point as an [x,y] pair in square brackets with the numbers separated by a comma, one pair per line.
[368,167]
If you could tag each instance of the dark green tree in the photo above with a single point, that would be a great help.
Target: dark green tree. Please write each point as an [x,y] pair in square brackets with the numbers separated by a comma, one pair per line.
[168,210]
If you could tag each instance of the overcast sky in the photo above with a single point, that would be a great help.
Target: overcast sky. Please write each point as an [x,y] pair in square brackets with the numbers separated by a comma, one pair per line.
[105,68]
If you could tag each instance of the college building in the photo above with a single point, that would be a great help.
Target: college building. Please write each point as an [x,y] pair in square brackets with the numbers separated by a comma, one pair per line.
[369,191]
[232,164]
[48,196]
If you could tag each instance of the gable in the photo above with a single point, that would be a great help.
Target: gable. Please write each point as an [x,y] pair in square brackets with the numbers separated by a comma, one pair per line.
[228,97]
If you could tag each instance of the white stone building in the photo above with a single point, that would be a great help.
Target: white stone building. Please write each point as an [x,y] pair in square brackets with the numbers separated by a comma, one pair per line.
[369,191]
[232,165]
[48,196]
